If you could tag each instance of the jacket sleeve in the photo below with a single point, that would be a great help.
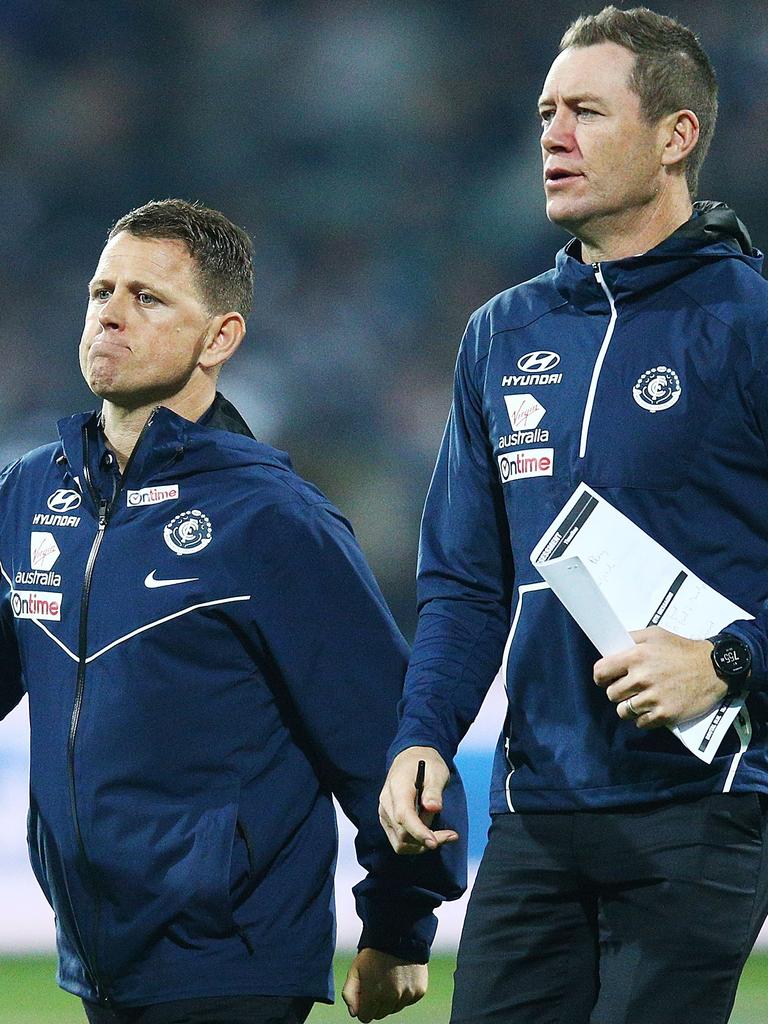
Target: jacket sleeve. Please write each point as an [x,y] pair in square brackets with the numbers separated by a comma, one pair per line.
[342,660]
[11,686]
[754,632]
[465,575]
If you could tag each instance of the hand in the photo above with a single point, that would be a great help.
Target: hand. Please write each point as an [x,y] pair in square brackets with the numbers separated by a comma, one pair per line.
[407,828]
[668,678]
[379,984]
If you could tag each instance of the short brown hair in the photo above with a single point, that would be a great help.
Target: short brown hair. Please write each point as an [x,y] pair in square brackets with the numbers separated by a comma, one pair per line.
[222,251]
[671,72]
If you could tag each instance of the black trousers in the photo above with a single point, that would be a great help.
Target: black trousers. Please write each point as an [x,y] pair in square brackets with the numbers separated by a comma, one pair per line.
[215,1010]
[642,916]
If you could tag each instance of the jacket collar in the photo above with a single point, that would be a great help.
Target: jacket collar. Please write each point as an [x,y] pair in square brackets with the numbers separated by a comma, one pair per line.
[161,444]
[222,415]
[713,232]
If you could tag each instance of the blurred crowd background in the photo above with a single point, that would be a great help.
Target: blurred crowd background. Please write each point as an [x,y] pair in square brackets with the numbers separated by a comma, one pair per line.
[384,157]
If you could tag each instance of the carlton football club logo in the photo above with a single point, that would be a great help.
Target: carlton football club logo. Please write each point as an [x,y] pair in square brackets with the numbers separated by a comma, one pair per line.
[657,389]
[188,532]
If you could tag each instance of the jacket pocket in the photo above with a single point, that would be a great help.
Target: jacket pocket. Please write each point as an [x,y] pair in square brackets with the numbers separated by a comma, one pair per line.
[242,875]
[165,870]
[36,845]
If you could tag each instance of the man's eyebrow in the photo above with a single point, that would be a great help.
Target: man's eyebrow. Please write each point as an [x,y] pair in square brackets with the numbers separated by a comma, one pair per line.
[573,100]
[136,285]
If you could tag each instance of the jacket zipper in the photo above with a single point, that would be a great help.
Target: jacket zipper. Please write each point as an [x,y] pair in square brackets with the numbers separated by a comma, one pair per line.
[104,509]
[598,362]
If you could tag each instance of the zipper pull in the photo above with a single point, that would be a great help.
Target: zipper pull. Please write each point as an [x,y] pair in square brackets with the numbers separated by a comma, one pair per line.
[103,513]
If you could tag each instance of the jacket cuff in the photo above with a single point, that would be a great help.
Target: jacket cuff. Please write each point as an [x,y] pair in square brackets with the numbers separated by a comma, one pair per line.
[397,929]
[416,737]
[748,631]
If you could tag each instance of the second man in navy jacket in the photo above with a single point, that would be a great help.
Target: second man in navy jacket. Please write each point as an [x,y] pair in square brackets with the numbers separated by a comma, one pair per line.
[624,880]
[208,659]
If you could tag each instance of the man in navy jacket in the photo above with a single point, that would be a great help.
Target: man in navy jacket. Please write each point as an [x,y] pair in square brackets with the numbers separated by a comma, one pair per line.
[624,880]
[208,659]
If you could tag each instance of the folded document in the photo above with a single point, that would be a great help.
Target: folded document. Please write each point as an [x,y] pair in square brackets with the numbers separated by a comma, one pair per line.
[612,577]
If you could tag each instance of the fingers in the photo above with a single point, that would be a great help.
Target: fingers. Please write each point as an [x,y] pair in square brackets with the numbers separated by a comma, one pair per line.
[630,709]
[406,825]
[383,985]
[351,991]
[432,798]
[409,834]
[641,707]
[616,666]
[608,670]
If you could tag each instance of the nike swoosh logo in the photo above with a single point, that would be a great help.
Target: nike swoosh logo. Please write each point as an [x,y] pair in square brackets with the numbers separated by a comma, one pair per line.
[151,582]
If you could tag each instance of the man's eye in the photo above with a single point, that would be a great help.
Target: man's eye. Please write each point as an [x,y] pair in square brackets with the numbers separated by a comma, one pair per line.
[101,294]
[585,112]
[145,299]
[546,116]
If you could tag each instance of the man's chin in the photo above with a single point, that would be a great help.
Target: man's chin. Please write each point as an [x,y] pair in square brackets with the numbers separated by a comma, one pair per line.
[564,215]
[108,391]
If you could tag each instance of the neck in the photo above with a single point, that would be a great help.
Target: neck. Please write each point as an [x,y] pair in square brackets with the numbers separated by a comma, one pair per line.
[122,426]
[635,231]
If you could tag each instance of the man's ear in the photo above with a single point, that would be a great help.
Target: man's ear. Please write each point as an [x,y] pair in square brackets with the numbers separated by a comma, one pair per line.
[228,330]
[682,134]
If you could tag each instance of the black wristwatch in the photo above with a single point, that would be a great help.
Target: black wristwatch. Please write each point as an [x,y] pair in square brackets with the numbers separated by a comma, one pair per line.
[732,661]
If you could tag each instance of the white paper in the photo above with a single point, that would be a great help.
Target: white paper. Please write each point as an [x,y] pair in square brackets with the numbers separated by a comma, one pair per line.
[612,577]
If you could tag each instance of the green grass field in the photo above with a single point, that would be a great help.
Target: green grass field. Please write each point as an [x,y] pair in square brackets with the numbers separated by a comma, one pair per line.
[28,995]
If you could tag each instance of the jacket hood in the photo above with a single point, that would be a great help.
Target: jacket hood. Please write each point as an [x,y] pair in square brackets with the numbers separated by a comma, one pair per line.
[712,233]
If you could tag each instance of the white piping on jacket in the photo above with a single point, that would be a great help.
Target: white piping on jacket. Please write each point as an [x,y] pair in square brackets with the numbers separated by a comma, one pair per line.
[133,633]
[598,364]
[159,622]
[522,590]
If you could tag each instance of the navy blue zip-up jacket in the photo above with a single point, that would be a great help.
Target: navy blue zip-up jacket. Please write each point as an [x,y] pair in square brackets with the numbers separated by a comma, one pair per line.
[208,658]
[646,378]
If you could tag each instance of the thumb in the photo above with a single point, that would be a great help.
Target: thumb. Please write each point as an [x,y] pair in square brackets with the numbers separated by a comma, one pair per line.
[351,992]
[432,798]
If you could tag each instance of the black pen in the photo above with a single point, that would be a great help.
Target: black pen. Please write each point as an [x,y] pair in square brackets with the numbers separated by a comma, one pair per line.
[419,784]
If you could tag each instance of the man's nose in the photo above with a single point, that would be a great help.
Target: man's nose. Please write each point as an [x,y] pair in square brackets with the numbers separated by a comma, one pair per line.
[112,312]
[558,133]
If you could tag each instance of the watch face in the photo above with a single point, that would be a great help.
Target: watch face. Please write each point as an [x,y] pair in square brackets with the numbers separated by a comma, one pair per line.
[731,656]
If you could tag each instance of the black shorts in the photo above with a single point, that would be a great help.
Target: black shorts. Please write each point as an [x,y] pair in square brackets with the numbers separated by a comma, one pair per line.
[641,916]
[214,1010]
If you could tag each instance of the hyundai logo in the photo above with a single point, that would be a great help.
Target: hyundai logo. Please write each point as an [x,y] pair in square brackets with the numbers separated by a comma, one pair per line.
[538,362]
[64,501]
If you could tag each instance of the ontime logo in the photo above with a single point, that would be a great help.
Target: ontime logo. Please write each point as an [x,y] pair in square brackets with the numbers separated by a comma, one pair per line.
[524,464]
[32,604]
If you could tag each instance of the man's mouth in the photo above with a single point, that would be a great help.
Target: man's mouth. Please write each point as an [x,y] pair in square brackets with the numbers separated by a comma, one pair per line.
[103,346]
[556,174]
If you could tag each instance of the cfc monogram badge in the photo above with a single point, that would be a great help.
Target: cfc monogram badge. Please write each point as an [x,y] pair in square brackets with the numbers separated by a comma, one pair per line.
[188,532]
[657,389]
